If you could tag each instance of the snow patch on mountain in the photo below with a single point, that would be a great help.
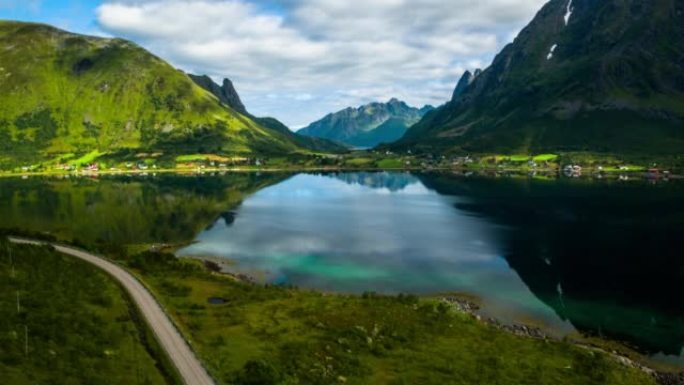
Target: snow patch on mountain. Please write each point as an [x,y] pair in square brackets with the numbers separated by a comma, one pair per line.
[551,51]
[568,12]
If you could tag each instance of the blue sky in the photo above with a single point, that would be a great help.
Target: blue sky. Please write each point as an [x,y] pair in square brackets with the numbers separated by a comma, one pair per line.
[298,60]
[74,15]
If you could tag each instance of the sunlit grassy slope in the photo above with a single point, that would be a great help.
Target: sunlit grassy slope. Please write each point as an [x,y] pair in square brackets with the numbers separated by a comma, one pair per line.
[67,93]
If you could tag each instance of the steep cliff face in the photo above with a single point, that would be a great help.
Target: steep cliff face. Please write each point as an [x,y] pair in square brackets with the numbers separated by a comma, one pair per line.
[226,93]
[603,75]
[465,81]
[367,125]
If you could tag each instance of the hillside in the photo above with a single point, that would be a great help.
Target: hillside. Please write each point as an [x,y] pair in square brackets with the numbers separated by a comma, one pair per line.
[368,125]
[584,75]
[228,96]
[72,325]
[64,95]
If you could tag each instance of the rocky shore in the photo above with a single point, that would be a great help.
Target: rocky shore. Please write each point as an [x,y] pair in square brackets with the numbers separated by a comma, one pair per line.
[471,308]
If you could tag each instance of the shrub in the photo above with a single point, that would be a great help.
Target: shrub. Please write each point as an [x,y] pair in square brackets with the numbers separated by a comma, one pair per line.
[258,373]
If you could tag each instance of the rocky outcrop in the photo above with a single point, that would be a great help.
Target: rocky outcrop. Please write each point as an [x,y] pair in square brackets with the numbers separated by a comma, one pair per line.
[670,378]
[465,81]
[226,93]
[521,330]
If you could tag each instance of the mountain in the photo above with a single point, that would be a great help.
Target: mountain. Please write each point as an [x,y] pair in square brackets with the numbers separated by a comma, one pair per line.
[584,75]
[228,96]
[64,95]
[226,93]
[466,80]
[368,125]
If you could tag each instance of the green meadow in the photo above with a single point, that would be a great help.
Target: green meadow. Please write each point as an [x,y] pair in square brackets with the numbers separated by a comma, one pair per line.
[255,334]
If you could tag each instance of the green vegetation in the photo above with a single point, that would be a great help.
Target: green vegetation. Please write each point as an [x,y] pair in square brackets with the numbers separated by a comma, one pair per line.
[63,93]
[138,161]
[390,163]
[65,322]
[545,157]
[287,336]
[87,158]
[198,157]
[168,209]
[519,158]
[359,162]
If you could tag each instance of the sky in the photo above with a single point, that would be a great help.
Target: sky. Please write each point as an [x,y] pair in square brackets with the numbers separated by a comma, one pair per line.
[298,60]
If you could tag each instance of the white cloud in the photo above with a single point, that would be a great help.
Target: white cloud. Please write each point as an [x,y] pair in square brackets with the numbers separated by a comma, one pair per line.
[300,59]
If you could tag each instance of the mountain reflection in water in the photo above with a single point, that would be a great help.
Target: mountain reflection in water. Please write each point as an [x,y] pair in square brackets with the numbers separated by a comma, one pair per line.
[600,256]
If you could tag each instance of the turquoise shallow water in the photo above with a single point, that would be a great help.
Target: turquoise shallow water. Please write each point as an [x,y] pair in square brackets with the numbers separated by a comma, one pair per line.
[323,232]
[526,248]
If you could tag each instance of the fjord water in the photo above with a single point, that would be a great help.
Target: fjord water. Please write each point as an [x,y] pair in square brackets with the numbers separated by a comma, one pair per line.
[595,256]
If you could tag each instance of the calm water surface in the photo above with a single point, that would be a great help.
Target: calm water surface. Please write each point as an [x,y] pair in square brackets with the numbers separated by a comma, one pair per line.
[599,257]
[387,233]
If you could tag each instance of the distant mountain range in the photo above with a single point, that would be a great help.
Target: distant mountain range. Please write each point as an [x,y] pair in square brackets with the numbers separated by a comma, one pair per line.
[63,95]
[368,125]
[584,75]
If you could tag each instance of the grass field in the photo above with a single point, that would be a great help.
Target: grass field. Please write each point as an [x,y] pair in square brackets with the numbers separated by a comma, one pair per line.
[519,158]
[359,162]
[274,335]
[87,158]
[545,157]
[71,324]
[390,163]
[206,157]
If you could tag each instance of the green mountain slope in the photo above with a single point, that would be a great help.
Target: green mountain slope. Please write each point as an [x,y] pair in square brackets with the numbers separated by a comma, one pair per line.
[584,75]
[368,125]
[62,93]
[228,96]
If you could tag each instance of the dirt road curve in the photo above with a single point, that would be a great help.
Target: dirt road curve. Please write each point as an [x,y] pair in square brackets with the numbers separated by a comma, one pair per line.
[181,355]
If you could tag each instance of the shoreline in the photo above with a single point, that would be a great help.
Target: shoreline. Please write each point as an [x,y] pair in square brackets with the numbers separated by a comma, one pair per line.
[213,171]
[465,303]
[470,304]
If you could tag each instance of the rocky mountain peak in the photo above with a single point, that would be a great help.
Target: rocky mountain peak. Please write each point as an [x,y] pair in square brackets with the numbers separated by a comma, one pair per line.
[368,125]
[231,96]
[466,80]
[226,93]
